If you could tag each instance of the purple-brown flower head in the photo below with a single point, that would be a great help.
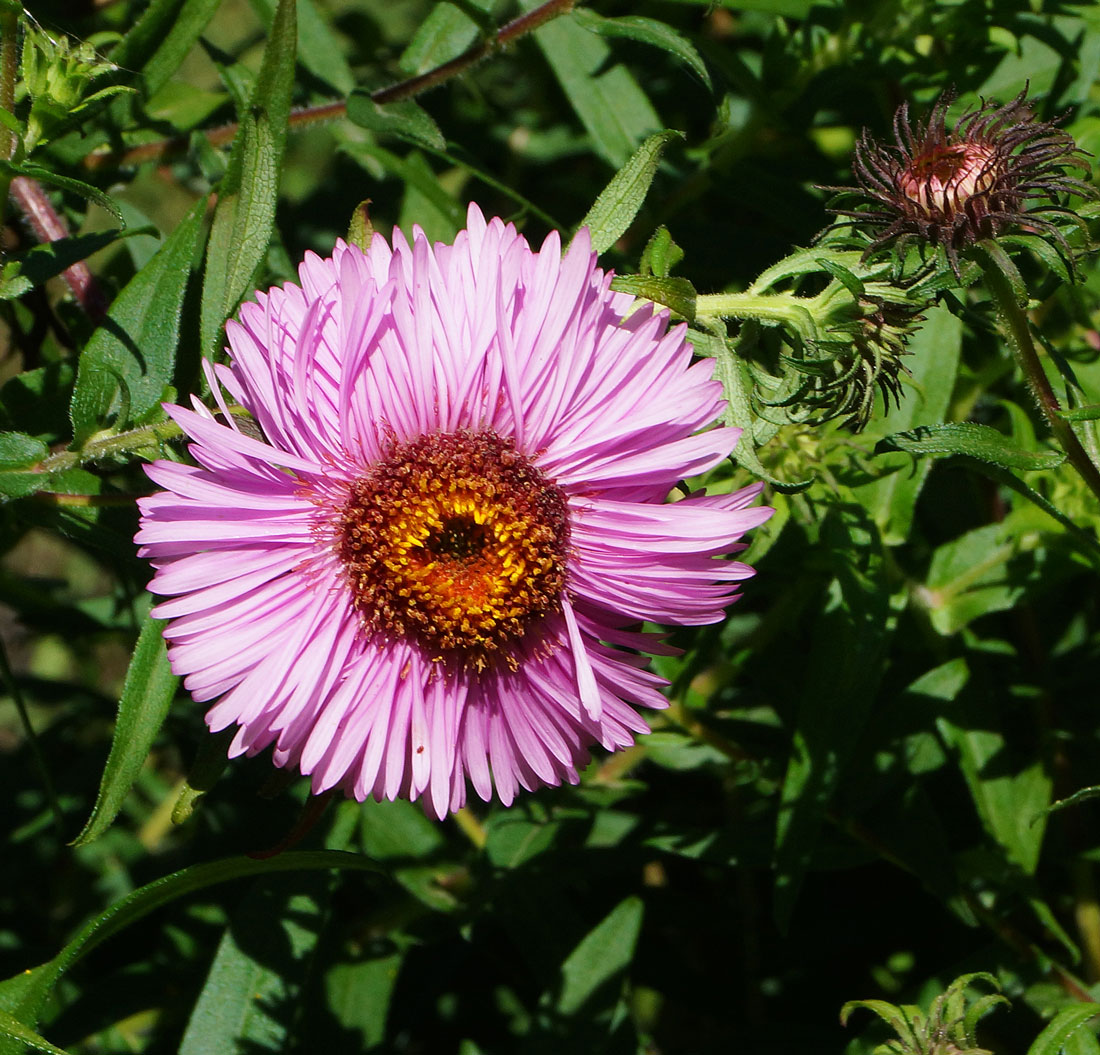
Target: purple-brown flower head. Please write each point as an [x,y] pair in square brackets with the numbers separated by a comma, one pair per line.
[999,169]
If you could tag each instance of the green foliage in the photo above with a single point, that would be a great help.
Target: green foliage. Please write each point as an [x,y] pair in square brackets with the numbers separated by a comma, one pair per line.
[876,776]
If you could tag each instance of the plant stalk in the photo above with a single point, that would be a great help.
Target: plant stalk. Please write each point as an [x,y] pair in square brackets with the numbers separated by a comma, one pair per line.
[1017,330]
[304,116]
[785,308]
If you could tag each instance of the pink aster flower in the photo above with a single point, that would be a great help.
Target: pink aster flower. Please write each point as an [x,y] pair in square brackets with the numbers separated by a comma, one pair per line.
[430,569]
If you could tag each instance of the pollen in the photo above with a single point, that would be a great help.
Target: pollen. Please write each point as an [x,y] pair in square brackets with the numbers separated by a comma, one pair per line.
[457,542]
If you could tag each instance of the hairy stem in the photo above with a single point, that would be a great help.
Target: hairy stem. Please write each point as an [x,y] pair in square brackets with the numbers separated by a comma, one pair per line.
[49,226]
[784,308]
[110,446]
[1017,330]
[309,115]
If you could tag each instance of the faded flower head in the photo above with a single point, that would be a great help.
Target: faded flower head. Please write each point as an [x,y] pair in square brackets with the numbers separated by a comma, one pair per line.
[1000,168]
[432,567]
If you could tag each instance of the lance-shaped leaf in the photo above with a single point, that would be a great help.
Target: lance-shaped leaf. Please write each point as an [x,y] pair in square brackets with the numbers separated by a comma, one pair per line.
[146,695]
[135,346]
[619,202]
[23,995]
[981,442]
[1062,1027]
[645,31]
[245,216]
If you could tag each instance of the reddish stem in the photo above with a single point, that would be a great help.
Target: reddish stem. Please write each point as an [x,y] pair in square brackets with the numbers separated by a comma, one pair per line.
[307,115]
[49,226]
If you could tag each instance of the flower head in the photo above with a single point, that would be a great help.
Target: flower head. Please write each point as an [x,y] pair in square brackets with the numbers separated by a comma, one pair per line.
[430,569]
[1000,168]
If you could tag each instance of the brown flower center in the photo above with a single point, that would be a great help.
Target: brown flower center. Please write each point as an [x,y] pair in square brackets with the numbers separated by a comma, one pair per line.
[941,181]
[455,541]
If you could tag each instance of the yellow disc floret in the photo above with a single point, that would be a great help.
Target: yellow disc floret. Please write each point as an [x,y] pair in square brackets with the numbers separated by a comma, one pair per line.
[458,542]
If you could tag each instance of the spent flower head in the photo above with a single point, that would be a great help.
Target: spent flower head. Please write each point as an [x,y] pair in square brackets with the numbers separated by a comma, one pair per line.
[999,169]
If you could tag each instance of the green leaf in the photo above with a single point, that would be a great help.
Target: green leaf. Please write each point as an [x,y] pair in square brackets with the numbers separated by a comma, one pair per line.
[162,38]
[48,259]
[512,841]
[645,31]
[603,953]
[18,449]
[842,675]
[400,833]
[24,994]
[1008,798]
[252,992]
[1088,413]
[146,696]
[318,47]
[936,345]
[845,276]
[675,293]
[967,578]
[137,342]
[1087,540]
[1083,1042]
[406,120]
[660,255]
[445,34]
[12,1027]
[21,484]
[245,217]
[360,229]
[892,1015]
[438,224]
[619,202]
[75,186]
[779,8]
[981,442]
[612,107]
[728,371]
[359,994]
[1061,1029]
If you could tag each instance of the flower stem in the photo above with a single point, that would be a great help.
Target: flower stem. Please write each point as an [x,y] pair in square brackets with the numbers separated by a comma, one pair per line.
[49,226]
[785,308]
[471,827]
[112,445]
[308,115]
[1017,330]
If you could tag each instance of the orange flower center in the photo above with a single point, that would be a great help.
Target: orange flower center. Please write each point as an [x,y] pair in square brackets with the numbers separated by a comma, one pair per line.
[942,180]
[458,542]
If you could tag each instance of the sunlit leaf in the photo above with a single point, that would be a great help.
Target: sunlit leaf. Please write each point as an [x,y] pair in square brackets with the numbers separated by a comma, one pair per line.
[245,216]
[146,695]
[136,345]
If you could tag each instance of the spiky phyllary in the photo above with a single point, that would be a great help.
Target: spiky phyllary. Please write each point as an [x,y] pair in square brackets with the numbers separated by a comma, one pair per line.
[999,169]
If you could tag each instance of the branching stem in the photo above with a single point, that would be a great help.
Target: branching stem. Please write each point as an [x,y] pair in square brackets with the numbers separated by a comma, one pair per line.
[308,115]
